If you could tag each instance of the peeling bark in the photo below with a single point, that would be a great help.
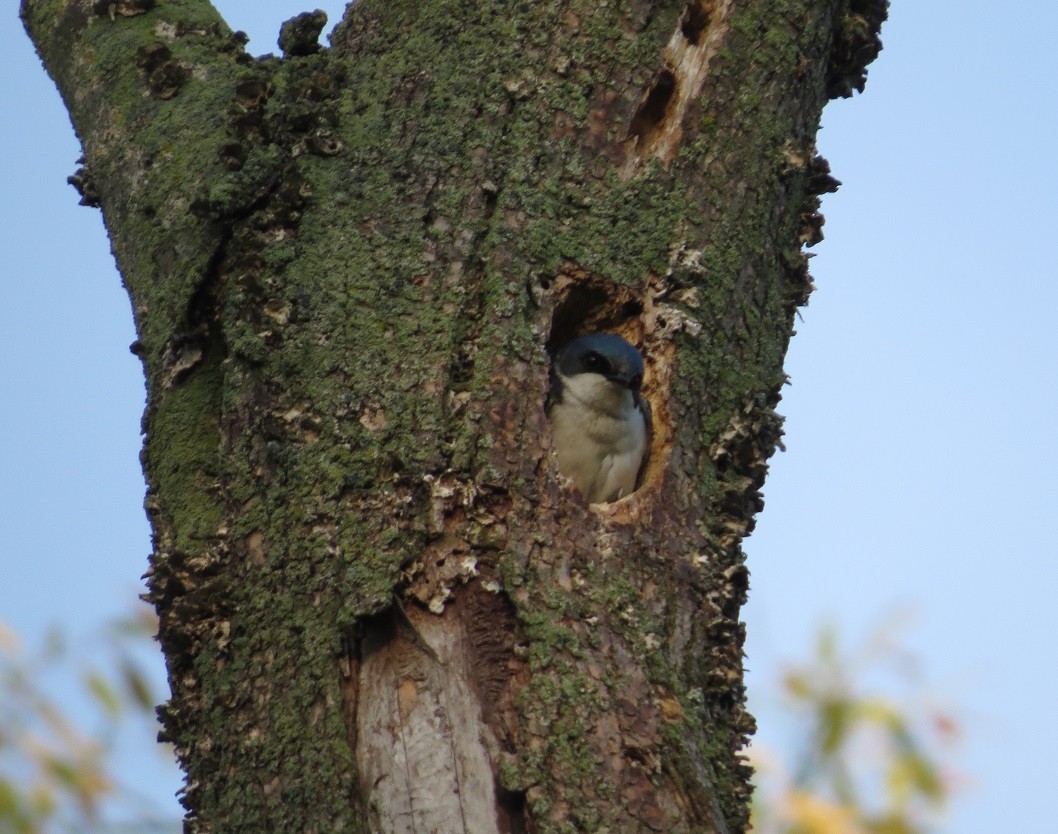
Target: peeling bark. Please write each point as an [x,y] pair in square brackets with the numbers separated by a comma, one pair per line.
[382,608]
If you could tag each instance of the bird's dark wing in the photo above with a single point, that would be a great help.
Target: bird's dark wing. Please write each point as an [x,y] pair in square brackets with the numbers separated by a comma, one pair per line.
[648,418]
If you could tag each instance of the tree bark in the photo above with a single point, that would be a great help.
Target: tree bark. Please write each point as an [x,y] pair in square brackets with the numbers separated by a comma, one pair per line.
[381,606]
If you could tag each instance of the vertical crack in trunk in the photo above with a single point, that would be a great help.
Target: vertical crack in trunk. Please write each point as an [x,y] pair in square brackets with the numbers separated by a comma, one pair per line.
[657,127]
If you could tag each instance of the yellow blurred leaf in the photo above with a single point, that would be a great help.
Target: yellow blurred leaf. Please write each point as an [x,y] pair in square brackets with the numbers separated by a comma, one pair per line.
[42,800]
[9,642]
[796,685]
[84,779]
[811,814]
[881,713]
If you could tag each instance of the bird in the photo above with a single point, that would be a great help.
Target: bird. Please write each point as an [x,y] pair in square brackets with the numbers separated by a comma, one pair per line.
[600,421]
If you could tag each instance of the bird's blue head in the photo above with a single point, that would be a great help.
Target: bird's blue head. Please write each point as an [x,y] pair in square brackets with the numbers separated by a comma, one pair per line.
[605,354]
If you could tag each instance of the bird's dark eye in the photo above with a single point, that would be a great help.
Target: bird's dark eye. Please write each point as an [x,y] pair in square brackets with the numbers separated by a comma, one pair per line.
[594,362]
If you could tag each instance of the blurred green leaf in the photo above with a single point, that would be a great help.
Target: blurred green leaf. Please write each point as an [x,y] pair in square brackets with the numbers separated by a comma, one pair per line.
[53,773]
[835,719]
[892,825]
[137,687]
[8,800]
[103,693]
[140,622]
[13,816]
[869,763]
[54,643]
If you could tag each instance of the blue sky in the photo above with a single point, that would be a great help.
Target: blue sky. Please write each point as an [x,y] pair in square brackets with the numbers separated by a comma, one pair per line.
[920,470]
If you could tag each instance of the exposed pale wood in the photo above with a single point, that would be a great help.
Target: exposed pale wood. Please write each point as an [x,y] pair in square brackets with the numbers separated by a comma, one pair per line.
[421,745]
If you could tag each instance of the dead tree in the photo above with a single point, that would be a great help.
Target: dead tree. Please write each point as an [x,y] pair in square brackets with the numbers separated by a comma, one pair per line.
[381,607]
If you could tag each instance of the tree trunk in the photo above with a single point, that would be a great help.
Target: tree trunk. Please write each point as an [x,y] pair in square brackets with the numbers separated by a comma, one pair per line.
[382,607]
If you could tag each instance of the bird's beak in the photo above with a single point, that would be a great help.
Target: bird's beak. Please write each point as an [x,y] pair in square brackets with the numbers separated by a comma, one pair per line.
[626,381]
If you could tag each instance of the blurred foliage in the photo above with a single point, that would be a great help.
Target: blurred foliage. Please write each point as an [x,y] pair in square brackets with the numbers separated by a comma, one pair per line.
[866,760]
[55,771]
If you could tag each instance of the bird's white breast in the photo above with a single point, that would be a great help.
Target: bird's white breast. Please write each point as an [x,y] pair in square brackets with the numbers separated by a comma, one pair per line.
[600,436]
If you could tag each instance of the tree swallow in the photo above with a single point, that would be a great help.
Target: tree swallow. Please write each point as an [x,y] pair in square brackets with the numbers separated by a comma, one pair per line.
[600,424]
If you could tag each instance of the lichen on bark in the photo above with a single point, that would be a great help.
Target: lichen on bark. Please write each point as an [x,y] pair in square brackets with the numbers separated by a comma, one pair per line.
[347,267]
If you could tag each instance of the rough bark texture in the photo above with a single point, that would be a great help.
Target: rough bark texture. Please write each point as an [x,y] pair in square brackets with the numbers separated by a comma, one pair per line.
[381,607]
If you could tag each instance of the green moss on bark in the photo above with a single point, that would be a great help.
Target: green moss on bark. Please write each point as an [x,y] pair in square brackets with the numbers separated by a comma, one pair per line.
[343,266]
